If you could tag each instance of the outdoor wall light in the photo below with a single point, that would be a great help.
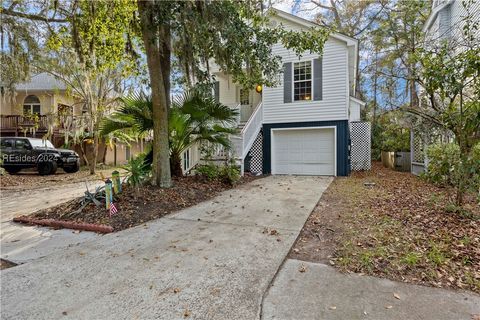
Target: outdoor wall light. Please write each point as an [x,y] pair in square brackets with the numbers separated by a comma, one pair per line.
[258,88]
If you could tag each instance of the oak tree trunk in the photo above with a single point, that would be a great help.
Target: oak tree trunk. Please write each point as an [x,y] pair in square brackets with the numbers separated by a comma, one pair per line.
[152,32]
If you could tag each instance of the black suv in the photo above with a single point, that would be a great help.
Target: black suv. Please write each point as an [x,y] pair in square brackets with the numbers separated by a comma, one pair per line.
[21,153]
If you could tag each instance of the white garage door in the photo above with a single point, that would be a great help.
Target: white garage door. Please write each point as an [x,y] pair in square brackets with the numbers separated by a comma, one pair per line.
[303,151]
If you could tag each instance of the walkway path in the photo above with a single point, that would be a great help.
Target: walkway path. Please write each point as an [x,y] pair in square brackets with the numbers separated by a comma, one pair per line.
[321,292]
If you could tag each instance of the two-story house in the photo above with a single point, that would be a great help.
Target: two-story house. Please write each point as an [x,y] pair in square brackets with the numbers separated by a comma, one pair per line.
[445,24]
[302,126]
[447,19]
[26,111]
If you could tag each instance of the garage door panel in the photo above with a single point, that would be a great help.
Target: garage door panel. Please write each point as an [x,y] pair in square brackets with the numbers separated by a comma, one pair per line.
[303,151]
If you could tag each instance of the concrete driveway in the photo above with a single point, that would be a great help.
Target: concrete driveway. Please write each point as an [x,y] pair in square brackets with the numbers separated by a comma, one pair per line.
[211,261]
[21,243]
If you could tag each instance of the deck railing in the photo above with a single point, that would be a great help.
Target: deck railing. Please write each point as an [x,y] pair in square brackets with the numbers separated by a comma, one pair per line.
[19,122]
[250,130]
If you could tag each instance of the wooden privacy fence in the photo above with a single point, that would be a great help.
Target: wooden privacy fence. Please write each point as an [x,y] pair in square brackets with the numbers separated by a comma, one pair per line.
[399,161]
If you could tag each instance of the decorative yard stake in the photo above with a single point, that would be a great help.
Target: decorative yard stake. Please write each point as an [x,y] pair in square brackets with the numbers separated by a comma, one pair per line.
[113,209]
[117,184]
[108,193]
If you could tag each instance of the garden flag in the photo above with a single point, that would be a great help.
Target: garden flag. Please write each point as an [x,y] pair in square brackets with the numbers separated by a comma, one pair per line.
[113,209]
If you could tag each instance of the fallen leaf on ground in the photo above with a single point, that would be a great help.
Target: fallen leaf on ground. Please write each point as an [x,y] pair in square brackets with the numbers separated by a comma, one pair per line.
[302,268]
[396,296]
[388,307]
[332,307]
[186,314]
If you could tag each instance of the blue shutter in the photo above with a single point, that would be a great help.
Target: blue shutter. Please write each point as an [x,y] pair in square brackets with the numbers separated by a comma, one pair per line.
[216,90]
[317,79]
[287,82]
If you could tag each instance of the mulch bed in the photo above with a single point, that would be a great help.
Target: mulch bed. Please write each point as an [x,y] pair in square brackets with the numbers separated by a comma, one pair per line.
[135,208]
[401,228]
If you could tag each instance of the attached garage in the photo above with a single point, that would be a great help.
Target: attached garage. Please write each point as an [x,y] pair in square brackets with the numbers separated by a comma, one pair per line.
[303,151]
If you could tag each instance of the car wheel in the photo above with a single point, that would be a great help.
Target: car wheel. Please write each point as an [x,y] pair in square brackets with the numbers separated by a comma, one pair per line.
[13,170]
[72,169]
[46,168]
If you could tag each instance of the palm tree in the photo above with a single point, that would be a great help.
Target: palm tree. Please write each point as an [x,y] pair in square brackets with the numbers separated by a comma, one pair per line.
[194,117]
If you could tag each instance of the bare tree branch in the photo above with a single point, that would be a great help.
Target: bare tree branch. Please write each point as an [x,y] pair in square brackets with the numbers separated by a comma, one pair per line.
[35,17]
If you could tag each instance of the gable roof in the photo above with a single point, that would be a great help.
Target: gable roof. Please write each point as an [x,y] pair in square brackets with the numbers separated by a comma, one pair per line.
[307,23]
[42,81]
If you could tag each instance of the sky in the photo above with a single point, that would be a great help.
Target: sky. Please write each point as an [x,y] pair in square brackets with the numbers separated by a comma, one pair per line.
[302,8]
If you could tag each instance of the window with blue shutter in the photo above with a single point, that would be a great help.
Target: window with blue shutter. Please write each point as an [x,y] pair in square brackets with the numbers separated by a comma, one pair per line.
[287,82]
[317,79]
[306,83]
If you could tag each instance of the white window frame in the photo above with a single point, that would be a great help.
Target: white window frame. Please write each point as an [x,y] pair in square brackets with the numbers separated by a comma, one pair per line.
[31,105]
[311,80]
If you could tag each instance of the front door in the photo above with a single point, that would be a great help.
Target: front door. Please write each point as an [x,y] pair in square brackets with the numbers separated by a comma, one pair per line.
[246,108]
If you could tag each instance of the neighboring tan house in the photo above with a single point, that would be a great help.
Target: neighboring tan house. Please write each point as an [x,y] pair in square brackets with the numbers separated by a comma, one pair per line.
[310,123]
[29,112]
[26,111]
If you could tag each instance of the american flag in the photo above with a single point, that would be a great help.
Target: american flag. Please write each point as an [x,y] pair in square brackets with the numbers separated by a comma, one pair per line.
[113,209]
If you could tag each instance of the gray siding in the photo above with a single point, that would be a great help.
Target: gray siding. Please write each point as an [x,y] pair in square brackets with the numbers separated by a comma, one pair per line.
[335,93]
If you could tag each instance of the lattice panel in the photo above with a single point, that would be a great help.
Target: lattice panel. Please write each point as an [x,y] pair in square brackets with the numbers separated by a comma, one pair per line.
[360,151]
[255,155]
[418,149]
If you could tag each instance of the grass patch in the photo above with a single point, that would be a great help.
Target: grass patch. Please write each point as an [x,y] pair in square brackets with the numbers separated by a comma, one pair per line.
[411,259]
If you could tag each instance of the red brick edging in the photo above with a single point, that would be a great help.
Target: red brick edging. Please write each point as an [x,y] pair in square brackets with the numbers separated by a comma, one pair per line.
[100,228]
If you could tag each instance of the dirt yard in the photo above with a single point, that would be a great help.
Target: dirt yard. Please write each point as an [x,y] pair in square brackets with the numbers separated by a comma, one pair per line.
[395,225]
[30,179]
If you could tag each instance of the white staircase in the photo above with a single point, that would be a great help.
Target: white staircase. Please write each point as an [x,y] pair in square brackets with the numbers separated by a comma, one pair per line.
[248,129]
[248,133]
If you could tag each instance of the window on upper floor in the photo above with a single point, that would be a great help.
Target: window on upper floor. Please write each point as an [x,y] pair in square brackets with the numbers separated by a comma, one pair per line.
[31,105]
[302,81]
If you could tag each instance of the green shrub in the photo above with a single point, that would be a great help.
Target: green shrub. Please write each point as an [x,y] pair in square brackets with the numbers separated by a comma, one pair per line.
[208,171]
[443,162]
[389,134]
[446,166]
[137,171]
[228,173]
